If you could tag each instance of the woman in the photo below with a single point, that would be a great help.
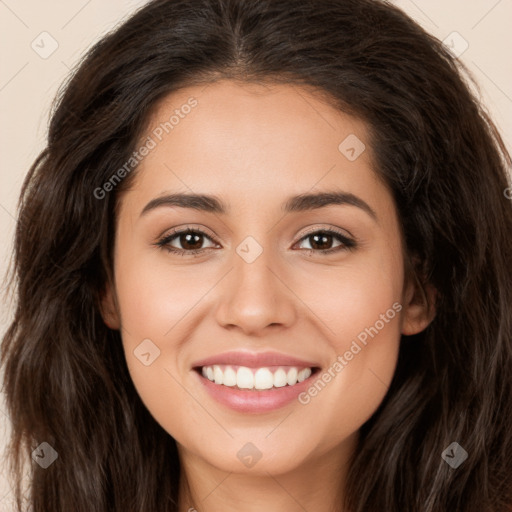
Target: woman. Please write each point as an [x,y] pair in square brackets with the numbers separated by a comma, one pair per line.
[177,347]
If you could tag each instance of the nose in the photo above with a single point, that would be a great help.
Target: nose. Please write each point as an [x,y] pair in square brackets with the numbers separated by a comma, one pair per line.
[256,297]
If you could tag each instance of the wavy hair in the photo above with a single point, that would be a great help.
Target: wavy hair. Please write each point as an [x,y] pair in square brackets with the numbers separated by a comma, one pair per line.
[66,380]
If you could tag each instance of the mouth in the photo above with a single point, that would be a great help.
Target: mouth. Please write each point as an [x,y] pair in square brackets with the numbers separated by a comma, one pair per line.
[254,382]
[260,379]
[256,390]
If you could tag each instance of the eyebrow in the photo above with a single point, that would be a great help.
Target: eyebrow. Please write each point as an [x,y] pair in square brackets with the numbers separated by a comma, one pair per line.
[300,203]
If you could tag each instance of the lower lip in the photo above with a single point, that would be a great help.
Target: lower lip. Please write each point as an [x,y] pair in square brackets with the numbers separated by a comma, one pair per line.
[254,401]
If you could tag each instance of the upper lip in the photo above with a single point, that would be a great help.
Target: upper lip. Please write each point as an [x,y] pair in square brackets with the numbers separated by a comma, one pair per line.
[255,360]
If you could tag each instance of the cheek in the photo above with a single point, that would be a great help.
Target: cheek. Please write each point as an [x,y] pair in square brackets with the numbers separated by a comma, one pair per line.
[154,303]
[350,298]
[358,382]
[360,310]
[349,390]
[153,297]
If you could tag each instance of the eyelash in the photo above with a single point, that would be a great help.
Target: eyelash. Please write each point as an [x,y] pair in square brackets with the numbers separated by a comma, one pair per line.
[346,243]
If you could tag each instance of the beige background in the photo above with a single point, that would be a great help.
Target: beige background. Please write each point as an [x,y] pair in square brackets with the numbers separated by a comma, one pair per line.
[28,84]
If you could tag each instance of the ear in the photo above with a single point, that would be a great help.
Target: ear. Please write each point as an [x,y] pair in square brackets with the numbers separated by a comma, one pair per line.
[109,310]
[419,305]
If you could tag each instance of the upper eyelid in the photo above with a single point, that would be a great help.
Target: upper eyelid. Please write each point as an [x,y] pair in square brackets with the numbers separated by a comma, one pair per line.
[185,229]
[328,228]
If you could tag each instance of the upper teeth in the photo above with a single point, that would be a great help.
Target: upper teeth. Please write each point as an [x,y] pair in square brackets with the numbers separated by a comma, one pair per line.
[255,378]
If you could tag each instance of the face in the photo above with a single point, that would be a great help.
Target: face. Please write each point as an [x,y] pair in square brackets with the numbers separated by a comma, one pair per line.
[290,277]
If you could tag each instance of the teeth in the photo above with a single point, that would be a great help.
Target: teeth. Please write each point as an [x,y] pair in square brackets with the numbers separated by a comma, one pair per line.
[279,378]
[304,374]
[263,379]
[260,378]
[291,376]
[218,377]
[244,378]
[230,378]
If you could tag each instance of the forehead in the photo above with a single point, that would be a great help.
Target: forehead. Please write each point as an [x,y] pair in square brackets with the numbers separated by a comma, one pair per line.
[253,142]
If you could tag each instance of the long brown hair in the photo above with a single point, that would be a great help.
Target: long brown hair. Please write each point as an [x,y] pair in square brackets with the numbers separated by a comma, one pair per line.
[66,381]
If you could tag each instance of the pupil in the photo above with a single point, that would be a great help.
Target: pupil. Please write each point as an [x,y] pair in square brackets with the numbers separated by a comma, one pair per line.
[187,237]
[322,238]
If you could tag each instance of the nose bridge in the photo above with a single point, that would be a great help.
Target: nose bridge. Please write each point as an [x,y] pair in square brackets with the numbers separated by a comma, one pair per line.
[253,263]
[255,296]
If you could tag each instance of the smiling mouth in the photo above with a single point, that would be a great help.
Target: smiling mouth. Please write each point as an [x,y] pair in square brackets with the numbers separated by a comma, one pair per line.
[256,379]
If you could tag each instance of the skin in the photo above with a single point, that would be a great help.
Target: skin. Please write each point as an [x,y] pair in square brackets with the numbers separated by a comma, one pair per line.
[254,146]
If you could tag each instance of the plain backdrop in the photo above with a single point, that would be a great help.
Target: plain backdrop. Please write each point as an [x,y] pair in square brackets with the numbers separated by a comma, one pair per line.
[42,41]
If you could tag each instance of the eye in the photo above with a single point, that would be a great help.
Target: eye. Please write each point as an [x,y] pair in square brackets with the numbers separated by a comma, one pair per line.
[319,239]
[190,240]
